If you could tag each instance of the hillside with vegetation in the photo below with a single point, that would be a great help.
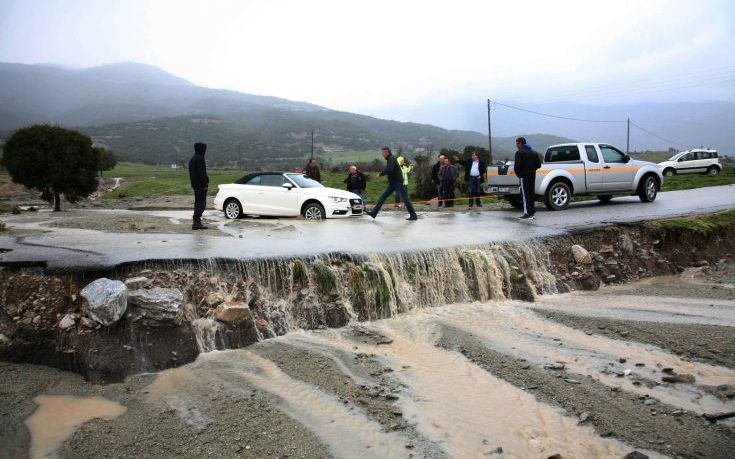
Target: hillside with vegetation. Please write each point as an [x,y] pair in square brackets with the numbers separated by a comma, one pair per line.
[144,114]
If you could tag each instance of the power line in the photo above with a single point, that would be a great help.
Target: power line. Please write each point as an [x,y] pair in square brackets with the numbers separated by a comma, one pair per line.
[661,138]
[594,121]
[557,116]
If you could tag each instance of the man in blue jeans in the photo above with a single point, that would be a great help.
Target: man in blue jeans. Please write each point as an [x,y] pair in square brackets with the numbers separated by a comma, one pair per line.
[395,185]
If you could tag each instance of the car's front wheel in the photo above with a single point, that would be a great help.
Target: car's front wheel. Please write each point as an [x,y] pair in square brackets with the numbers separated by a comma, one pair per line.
[233,208]
[713,170]
[670,172]
[558,196]
[648,189]
[313,211]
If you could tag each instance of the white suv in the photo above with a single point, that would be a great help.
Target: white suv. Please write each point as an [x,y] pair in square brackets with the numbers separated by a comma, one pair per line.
[692,161]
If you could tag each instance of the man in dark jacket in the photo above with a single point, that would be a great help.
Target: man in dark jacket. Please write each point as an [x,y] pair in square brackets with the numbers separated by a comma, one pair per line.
[526,164]
[435,178]
[199,182]
[312,171]
[475,170]
[356,182]
[447,181]
[395,185]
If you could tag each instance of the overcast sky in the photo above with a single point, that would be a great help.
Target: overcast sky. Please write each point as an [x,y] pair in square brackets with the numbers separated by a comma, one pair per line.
[364,56]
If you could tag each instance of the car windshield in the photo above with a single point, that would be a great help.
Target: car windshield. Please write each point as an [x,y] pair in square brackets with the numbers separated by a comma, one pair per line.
[304,182]
[673,158]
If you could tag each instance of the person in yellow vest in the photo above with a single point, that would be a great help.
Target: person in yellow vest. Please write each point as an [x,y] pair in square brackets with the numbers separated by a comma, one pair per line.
[405,170]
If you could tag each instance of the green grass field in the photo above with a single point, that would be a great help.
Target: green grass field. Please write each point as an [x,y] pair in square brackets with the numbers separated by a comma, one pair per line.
[142,180]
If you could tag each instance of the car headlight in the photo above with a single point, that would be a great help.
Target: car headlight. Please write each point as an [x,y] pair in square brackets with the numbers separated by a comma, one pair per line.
[336,199]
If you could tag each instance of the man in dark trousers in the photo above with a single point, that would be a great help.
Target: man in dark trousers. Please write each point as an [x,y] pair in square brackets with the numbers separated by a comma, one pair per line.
[395,184]
[474,174]
[312,171]
[435,179]
[199,182]
[526,164]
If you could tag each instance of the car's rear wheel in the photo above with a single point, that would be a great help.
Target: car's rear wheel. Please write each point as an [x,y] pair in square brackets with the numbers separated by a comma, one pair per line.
[605,198]
[313,211]
[713,170]
[648,189]
[558,196]
[233,208]
[515,201]
[670,172]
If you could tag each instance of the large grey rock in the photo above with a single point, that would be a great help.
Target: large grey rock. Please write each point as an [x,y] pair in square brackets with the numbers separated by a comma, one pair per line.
[581,255]
[105,301]
[157,307]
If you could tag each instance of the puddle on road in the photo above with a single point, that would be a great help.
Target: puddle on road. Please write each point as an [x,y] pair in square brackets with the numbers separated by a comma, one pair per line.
[59,416]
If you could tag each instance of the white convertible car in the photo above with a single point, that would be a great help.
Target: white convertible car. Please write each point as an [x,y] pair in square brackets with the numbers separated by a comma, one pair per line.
[285,194]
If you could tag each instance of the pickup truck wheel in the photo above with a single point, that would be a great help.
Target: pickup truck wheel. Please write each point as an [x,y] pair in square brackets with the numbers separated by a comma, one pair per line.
[558,196]
[605,198]
[516,201]
[648,189]
[314,211]
[669,172]
[713,170]
[233,209]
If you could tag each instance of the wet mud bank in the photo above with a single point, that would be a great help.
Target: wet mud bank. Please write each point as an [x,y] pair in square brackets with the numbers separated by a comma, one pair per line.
[176,310]
[639,420]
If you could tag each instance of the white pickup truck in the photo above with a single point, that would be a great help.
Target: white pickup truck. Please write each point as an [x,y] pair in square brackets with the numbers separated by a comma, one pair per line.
[570,169]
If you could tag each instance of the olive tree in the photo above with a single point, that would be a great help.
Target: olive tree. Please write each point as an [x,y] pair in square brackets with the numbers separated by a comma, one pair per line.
[53,160]
[106,160]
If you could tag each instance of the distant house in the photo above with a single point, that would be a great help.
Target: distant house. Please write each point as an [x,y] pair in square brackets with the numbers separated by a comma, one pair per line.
[174,166]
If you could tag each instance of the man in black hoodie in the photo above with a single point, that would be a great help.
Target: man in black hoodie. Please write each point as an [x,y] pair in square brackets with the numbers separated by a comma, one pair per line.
[526,164]
[395,184]
[199,182]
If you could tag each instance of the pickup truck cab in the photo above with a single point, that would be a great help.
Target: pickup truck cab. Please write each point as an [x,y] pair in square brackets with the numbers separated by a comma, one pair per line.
[587,168]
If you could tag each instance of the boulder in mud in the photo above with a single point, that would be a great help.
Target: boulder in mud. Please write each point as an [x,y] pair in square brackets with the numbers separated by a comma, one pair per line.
[581,255]
[105,301]
[233,313]
[682,378]
[67,322]
[157,307]
[626,243]
[589,281]
[135,283]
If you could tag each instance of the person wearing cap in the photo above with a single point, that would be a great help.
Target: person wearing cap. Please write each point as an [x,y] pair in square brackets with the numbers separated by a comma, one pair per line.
[199,182]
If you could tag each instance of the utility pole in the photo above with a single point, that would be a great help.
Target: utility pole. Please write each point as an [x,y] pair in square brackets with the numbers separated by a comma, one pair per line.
[312,145]
[627,143]
[489,132]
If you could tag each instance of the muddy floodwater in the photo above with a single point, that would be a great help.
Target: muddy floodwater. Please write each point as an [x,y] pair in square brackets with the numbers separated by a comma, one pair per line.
[582,374]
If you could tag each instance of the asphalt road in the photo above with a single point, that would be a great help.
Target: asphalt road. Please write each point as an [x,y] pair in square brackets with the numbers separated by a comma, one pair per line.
[264,238]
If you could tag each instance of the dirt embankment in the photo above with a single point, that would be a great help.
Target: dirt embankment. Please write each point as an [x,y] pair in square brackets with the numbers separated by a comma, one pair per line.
[34,302]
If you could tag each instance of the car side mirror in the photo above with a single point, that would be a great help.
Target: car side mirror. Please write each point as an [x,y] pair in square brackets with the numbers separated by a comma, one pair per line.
[287,186]
[626,158]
